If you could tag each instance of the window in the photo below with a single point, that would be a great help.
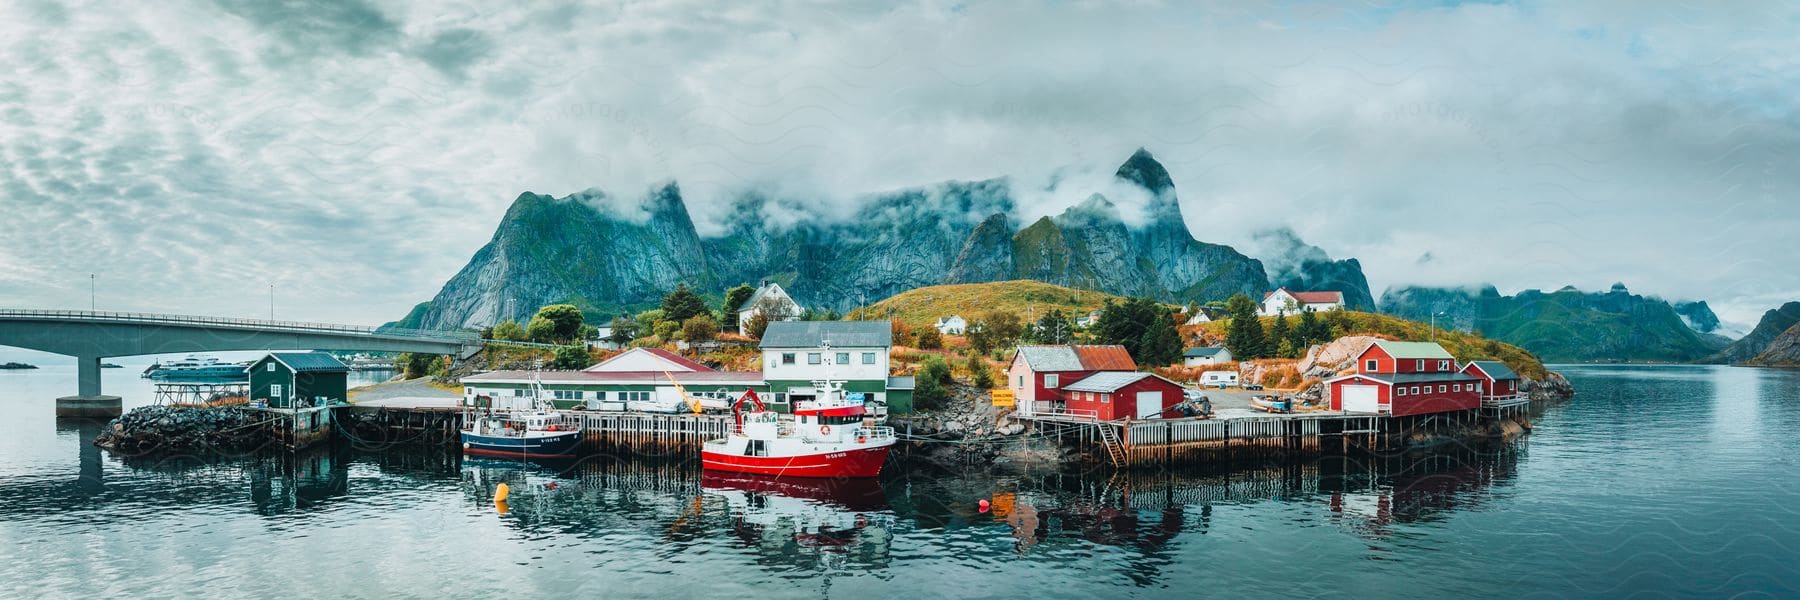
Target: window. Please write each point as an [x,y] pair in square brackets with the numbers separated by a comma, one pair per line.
[813,358]
[1050,381]
[1021,381]
[843,358]
[1443,365]
[567,394]
[868,358]
[271,367]
[787,358]
[1401,391]
[275,390]
[1417,390]
[1371,365]
[1442,388]
[1475,386]
[1456,387]
[1105,398]
[519,392]
[600,396]
[1419,365]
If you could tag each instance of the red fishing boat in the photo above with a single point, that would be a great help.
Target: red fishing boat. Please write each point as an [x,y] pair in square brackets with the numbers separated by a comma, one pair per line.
[830,437]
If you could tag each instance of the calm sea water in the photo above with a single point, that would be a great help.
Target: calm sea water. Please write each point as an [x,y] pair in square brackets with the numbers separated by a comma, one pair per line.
[1658,481]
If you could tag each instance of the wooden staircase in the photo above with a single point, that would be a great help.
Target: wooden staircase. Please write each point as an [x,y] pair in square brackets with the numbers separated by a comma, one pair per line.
[1115,448]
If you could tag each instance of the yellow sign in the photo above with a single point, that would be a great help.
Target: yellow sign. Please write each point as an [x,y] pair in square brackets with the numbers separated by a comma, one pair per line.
[1003,397]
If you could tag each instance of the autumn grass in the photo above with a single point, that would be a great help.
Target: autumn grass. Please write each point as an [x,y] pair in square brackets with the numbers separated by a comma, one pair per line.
[1029,299]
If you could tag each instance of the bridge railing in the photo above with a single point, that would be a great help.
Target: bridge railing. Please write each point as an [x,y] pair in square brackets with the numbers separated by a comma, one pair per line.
[141,318]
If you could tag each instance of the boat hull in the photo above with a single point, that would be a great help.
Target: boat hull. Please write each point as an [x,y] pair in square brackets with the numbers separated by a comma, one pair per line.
[558,445]
[859,462]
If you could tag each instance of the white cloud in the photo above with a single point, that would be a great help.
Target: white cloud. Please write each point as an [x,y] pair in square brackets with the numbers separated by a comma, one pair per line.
[358,153]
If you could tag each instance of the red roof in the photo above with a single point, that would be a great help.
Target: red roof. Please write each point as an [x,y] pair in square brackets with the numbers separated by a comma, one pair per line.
[1310,297]
[1105,358]
[679,359]
[657,352]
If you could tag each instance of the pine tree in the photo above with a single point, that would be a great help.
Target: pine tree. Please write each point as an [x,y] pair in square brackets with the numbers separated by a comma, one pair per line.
[682,304]
[1244,336]
[1279,333]
[1161,344]
[1309,329]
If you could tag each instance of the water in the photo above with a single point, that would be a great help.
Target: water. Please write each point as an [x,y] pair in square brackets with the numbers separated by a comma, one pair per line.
[1654,481]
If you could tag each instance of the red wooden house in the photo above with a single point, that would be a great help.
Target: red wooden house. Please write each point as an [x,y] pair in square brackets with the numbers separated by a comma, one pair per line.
[1500,385]
[1405,378]
[1112,395]
[1038,374]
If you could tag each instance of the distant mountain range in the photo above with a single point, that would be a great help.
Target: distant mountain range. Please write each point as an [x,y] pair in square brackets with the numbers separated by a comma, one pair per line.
[1774,342]
[1568,324]
[607,254]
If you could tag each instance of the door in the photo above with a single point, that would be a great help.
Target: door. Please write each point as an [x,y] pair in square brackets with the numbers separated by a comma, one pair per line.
[1149,405]
[1361,399]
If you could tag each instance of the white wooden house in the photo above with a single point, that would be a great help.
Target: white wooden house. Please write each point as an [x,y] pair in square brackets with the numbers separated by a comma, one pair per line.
[1283,301]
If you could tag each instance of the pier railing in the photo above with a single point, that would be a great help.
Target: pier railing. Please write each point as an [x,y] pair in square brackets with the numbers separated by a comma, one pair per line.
[1507,401]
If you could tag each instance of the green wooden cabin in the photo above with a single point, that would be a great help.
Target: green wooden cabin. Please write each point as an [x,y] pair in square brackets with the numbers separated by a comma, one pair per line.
[299,380]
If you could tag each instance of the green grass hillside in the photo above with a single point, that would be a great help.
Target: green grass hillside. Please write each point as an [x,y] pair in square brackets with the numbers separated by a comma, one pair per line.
[923,306]
[1464,346]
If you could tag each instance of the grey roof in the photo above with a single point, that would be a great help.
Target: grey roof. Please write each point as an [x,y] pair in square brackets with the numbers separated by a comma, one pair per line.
[310,362]
[1495,369]
[1203,352]
[1409,378]
[900,383]
[1108,381]
[1051,358]
[841,334]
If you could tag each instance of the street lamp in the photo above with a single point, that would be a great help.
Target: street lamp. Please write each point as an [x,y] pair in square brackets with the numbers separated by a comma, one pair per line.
[1434,317]
[271,302]
[93,294]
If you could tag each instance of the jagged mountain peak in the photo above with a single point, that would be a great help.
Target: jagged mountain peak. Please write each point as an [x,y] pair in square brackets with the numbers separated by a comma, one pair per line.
[1143,169]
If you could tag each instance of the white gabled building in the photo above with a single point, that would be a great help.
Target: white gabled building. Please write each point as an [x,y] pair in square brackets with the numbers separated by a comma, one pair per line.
[774,302]
[1283,301]
[952,325]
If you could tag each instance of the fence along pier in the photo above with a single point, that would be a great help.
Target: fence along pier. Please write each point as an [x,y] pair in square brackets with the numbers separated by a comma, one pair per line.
[1175,442]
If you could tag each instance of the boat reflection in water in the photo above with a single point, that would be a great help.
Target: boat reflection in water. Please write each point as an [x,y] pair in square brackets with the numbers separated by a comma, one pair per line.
[836,520]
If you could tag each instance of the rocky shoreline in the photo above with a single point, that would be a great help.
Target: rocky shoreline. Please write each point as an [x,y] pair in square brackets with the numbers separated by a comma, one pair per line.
[168,430]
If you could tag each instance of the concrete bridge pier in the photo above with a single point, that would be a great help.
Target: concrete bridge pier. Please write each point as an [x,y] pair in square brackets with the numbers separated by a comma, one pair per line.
[89,403]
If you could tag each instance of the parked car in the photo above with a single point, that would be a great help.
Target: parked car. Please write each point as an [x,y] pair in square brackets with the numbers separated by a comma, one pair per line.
[1254,387]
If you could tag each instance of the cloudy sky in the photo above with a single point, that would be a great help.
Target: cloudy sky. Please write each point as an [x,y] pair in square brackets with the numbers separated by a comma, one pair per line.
[354,153]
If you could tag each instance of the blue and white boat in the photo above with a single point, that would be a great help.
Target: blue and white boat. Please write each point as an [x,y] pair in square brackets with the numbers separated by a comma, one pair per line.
[531,431]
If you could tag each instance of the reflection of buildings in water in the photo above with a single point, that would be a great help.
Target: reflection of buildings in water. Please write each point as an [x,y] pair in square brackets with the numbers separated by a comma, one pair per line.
[1370,495]
[292,482]
[827,522]
[785,523]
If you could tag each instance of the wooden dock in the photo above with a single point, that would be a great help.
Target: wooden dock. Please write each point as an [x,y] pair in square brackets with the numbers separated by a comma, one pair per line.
[1177,442]
[438,421]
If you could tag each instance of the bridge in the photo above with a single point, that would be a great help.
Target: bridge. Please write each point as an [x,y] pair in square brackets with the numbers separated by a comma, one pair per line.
[91,336]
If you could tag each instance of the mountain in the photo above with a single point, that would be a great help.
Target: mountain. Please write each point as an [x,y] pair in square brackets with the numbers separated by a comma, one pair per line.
[606,254]
[1029,299]
[1773,325]
[1783,352]
[1298,266]
[1698,316]
[1565,325]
